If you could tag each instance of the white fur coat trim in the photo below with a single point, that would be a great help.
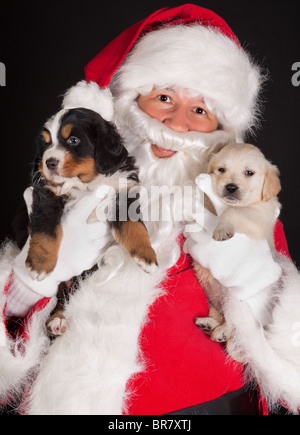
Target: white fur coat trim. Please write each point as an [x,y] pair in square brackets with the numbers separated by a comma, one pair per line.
[18,360]
[272,355]
[87,369]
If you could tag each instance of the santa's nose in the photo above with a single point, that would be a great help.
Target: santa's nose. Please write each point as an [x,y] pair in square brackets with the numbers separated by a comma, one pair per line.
[177,121]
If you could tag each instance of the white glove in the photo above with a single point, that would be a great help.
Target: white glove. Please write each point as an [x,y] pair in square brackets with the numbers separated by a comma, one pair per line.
[245,265]
[203,218]
[81,247]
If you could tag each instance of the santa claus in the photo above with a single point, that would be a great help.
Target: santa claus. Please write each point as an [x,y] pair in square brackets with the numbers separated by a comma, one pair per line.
[181,84]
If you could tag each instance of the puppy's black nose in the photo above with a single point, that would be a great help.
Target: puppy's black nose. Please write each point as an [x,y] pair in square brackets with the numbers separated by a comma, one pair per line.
[231,188]
[52,163]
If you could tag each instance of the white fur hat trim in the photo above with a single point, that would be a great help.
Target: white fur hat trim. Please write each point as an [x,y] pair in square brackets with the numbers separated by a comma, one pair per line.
[198,58]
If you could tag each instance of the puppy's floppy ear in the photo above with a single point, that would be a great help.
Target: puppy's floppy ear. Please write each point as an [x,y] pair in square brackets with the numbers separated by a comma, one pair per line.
[272,185]
[110,153]
[210,168]
[217,148]
[211,154]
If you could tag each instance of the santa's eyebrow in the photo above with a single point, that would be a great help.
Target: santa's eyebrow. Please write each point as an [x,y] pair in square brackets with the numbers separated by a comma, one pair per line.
[199,99]
[170,90]
[173,91]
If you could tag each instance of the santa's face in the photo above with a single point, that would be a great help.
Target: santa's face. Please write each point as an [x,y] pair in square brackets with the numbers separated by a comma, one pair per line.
[168,132]
[179,111]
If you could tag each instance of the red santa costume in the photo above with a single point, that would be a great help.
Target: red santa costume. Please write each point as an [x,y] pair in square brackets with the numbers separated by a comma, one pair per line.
[132,346]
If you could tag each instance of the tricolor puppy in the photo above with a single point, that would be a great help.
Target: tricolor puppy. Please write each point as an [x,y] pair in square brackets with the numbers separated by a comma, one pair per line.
[248,185]
[78,150]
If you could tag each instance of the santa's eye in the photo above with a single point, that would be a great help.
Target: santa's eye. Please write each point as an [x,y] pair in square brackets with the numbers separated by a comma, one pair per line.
[200,111]
[249,173]
[73,141]
[164,98]
[221,170]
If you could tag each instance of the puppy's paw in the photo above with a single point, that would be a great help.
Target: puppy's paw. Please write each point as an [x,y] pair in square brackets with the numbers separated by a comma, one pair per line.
[147,267]
[57,325]
[42,256]
[145,258]
[35,274]
[207,324]
[221,334]
[38,271]
[223,232]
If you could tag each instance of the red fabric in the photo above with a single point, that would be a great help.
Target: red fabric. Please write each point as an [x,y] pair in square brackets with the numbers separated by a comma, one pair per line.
[25,331]
[104,65]
[280,240]
[3,314]
[184,366]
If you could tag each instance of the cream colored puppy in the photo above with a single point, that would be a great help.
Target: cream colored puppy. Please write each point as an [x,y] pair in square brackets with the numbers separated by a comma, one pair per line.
[248,185]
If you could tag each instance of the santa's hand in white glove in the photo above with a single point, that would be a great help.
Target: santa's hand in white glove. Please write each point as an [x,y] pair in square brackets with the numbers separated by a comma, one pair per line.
[81,247]
[242,264]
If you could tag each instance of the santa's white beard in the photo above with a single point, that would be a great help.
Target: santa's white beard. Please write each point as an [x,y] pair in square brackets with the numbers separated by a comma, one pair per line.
[140,131]
[177,170]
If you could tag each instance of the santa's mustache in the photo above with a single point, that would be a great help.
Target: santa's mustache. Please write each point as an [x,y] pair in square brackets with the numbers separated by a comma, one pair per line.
[155,132]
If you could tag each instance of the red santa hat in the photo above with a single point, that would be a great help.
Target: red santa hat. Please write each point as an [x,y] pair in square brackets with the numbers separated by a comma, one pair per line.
[189,47]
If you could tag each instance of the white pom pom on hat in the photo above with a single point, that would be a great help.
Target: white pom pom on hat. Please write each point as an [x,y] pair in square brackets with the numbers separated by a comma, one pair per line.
[88,95]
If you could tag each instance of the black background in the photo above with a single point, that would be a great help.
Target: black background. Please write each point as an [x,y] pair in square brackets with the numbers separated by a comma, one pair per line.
[45,45]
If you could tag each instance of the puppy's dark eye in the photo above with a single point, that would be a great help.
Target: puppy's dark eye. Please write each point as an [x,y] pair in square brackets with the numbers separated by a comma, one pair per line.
[73,141]
[249,173]
[222,170]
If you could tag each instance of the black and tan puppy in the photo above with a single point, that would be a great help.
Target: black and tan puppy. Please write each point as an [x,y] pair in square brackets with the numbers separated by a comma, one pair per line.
[78,150]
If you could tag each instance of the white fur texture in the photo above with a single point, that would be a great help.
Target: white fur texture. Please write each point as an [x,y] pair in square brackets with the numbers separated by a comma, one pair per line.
[272,356]
[19,361]
[87,369]
[88,95]
[197,58]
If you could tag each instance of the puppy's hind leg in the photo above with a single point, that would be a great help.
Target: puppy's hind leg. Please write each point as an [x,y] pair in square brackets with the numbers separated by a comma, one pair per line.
[214,325]
[221,333]
[211,322]
[57,324]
